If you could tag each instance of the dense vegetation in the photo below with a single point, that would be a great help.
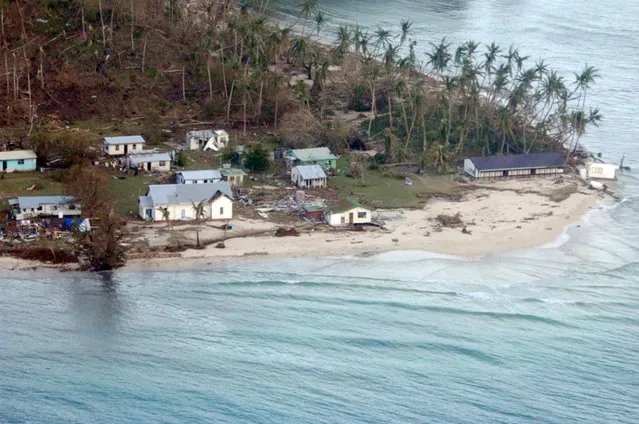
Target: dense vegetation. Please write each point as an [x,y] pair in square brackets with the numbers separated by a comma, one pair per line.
[162,62]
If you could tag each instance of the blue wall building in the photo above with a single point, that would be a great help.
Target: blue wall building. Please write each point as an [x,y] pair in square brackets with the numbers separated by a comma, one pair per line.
[18,161]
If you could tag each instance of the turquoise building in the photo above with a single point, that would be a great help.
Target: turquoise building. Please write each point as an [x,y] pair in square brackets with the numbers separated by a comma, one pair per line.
[18,161]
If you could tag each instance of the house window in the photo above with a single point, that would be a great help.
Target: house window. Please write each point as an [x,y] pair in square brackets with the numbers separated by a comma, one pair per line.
[20,161]
[55,208]
[221,210]
[72,207]
[133,147]
[162,163]
[117,147]
[39,208]
[361,214]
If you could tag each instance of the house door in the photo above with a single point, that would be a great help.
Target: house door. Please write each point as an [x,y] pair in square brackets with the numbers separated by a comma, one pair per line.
[183,213]
[4,165]
[343,220]
[148,166]
[149,213]
[126,149]
[504,174]
[350,218]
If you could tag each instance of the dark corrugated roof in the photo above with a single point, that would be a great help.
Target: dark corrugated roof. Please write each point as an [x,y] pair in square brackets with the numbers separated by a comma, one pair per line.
[531,160]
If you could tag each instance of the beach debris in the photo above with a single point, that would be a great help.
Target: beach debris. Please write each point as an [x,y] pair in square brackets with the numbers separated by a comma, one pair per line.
[450,220]
[408,181]
[465,231]
[598,186]
[31,188]
[286,232]
[220,245]
[395,240]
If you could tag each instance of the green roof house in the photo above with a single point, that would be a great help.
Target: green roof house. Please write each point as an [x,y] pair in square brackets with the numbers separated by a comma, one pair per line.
[321,156]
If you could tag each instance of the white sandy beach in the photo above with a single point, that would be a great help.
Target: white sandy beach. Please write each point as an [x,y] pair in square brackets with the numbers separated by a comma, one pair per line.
[500,216]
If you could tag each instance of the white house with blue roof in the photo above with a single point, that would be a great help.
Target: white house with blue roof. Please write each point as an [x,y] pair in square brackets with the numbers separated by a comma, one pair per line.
[309,176]
[123,145]
[18,161]
[201,176]
[25,207]
[178,200]
[150,162]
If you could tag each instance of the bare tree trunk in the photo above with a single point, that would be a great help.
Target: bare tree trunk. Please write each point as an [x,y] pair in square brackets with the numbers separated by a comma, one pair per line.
[183,85]
[132,29]
[24,32]
[146,38]
[15,79]
[7,72]
[102,23]
[228,102]
[84,31]
[2,23]
[208,71]
[41,71]
[226,90]
[277,104]
[111,27]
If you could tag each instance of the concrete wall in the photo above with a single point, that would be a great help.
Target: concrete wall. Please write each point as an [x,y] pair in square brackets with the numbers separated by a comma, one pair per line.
[220,209]
[121,150]
[343,218]
[603,171]
[50,210]
[469,168]
[297,179]
[155,166]
[17,165]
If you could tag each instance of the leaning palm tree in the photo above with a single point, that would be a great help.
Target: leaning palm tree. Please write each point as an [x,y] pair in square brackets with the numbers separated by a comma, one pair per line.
[320,21]
[166,215]
[199,210]
[405,27]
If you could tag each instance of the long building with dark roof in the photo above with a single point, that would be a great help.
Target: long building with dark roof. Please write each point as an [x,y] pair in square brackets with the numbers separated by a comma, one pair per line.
[515,165]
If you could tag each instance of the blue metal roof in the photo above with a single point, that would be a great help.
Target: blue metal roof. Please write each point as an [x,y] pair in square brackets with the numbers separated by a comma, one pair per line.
[527,161]
[35,201]
[125,139]
[310,172]
[169,194]
[202,174]
[150,157]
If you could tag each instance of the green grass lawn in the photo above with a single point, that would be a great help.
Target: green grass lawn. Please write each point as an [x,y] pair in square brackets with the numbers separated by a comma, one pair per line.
[16,183]
[128,190]
[387,189]
[197,159]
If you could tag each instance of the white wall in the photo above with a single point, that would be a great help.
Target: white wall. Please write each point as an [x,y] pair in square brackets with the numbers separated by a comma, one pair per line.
[221,208]
[178,212]
[155,166]
[604,171]
[50,210]
[335,219]
[118,149]
[469,168]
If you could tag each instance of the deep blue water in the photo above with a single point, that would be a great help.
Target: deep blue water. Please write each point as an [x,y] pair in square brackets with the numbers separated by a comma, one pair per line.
[548,335]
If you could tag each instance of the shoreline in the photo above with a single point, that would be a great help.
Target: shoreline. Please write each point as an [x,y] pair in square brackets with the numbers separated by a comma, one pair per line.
[497,217]
[497,220]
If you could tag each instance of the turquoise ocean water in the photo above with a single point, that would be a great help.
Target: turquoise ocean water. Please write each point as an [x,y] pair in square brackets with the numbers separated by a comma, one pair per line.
[547,335]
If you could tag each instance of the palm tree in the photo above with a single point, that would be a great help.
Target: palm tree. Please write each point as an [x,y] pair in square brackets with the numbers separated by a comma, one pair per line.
[320,20]
[505,125]
[405,27]
[306,11]
[199,210]
[439,58]
[343,41]
[583,82]
[166,215]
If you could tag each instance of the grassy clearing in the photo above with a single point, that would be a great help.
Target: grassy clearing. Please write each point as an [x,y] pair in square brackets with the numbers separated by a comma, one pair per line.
[197,159]
[16,184]
[387,189]
[128,190]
